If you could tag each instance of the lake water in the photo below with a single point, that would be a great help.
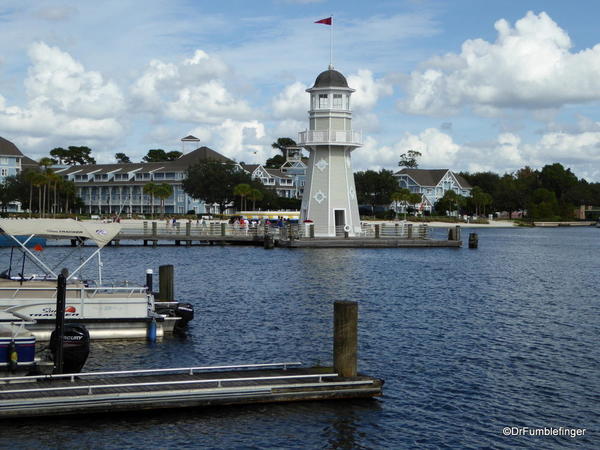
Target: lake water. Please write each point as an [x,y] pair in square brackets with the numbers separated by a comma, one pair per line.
[468,342]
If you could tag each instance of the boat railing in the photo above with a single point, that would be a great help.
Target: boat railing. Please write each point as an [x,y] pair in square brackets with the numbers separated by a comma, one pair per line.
[174,370]
[90,291]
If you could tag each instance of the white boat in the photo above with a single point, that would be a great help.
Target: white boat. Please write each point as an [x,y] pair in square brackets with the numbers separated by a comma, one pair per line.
[107,311]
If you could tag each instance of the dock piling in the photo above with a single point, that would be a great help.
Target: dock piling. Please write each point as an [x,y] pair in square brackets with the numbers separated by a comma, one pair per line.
[166,290]
[473,240]
[345,338]
[154,228]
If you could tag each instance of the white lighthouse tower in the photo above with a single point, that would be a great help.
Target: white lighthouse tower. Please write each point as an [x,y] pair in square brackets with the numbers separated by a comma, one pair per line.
[329,198]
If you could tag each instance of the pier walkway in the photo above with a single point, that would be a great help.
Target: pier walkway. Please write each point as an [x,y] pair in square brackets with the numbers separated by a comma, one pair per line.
[102,392]
[290,235]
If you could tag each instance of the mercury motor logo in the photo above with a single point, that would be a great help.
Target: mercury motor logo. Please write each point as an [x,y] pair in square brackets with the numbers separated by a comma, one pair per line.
[101,232]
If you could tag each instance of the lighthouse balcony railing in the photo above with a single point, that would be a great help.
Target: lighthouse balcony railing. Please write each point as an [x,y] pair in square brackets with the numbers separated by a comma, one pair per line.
[317,137]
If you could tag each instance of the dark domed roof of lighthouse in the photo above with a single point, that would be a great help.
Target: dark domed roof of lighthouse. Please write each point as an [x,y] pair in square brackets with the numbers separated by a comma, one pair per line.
[330,78]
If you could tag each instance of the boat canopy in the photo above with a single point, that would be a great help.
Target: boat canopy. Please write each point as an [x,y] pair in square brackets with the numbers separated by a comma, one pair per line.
[100,233]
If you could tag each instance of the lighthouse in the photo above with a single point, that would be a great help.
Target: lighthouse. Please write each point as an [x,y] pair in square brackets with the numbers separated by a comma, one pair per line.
[329,198]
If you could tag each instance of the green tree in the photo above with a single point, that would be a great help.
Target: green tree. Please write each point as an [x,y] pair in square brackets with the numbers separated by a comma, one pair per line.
[214,181]
[401,197]
[375,188]
[543,205]
[149,190]
[451,201]
[159,155]
[557,179]
[122,158]
[409,159]
[242,190]
[73,155]
[255,195]
[275,162]
[282,143]
[163,191]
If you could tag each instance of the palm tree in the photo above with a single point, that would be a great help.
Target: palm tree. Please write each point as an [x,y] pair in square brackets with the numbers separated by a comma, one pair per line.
[150,189]
[243,190]
[38,180]
[255,195]
[401,197]
[163,191]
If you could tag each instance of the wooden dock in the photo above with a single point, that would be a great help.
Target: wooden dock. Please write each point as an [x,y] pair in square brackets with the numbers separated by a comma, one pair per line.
[375,236]
[367,243]
[110,392]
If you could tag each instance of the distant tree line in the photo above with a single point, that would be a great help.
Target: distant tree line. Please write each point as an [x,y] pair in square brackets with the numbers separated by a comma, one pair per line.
[552,192]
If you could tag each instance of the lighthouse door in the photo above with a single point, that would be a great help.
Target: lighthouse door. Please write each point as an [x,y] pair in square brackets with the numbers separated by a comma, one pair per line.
[340,221]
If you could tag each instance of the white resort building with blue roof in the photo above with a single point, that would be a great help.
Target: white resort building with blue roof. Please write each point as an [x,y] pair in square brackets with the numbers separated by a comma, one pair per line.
[432,184]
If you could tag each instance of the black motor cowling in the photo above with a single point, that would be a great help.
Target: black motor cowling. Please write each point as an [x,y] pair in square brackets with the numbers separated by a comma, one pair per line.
[185,311]
[76,347]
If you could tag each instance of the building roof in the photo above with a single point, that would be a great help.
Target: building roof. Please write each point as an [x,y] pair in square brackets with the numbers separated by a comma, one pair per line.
[432,177]
[250,167]
[330,78]
[190,137]
[8,148]
[181,163]
[28,163]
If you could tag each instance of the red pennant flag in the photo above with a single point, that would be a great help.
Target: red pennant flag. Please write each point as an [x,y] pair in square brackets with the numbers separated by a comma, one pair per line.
[38,248]
[327,21]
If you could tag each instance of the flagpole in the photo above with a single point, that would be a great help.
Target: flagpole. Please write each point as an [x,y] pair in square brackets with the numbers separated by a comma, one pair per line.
[331,44]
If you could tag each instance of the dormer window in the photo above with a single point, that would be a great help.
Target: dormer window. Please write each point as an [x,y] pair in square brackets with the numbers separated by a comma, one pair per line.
[323,101]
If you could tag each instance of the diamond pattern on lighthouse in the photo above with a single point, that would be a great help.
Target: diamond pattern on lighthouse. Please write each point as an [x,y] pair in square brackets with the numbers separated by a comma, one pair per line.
[322,165]
[319,197]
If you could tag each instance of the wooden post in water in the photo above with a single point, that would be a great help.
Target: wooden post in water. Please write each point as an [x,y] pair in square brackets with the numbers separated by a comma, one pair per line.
[345,338]
[154,228]
[166,289]
[473,240]
[145,227]
[409,231]
[223,228]
[376,231]
[188,228]
[311,230]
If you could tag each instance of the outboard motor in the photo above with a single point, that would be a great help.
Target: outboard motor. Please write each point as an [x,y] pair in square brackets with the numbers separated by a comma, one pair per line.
[76,347]
[186,312]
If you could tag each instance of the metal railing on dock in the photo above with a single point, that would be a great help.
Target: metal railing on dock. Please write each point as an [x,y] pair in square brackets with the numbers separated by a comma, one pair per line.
[188,370]
[258,231]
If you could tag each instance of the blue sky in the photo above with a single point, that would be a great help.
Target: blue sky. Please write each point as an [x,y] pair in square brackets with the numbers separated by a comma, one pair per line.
[472,85]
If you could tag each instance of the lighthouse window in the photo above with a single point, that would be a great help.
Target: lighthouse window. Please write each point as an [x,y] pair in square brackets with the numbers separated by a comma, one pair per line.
[314,101]
[323,101]
[337,101]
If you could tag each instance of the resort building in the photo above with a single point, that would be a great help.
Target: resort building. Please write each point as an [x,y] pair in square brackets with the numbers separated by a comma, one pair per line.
[119,188]
[10,159]
[433,184]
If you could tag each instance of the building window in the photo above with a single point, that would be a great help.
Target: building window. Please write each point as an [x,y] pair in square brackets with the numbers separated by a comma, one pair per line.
[4,172]
[337,101]
[3,160]
[323,101]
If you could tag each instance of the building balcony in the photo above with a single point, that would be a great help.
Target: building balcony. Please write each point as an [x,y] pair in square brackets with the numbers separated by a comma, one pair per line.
[326,137]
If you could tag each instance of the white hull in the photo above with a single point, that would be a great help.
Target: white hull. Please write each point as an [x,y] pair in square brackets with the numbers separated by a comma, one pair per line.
[107,312]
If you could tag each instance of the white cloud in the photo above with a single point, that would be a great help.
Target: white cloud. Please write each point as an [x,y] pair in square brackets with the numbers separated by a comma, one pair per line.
[240,140]
[209,103]
[192,90]
[529,66]
[64,100]
[292,103]
[368,90]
